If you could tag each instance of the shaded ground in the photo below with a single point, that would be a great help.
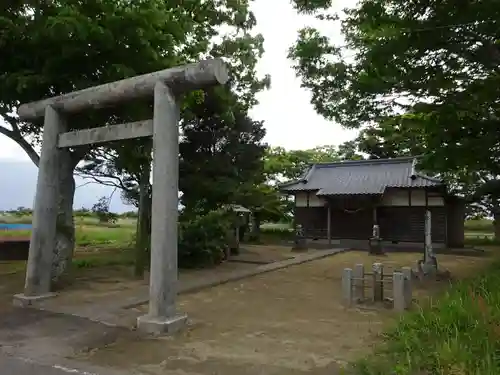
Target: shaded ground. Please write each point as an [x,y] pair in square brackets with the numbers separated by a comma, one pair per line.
[100,292]
[285,322]
[34,342]
[106,283]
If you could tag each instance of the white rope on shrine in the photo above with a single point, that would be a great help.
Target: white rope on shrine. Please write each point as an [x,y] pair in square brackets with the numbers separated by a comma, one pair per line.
[352,211]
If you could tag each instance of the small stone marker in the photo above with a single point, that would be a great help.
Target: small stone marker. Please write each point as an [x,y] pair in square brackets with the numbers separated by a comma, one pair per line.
[408,276]
[398,284]
[359,284]
[300,243]
[377,284]
[347,287]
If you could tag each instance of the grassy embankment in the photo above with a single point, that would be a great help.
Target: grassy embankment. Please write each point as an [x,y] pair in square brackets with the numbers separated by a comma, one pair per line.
[456,334]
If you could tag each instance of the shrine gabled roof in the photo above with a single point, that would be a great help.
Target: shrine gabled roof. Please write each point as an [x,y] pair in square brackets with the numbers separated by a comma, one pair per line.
[360,177]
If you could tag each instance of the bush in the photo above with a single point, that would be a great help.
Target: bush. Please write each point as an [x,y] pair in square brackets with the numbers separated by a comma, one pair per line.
[276,234]
[129,215]
[101,210]
[83,212]
[457,334]
[481,241]
[479,225]
[203,239]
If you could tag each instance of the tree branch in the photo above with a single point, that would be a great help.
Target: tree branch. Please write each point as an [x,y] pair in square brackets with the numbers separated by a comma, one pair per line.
[78,154]
[16,136]
[116,183]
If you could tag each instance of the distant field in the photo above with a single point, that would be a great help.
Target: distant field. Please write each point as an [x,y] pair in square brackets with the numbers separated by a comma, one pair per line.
[89,232]
[480,225]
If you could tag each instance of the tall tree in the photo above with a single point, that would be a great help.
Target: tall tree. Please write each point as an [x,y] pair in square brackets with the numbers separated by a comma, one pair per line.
[220,152]
[432,64]
[281,164]
[51,48]
[423,77]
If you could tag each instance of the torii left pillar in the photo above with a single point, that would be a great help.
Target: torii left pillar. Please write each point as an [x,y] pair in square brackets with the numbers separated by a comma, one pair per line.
[43,235]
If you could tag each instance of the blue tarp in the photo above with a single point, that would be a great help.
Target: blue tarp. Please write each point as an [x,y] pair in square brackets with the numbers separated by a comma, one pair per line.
[15,226]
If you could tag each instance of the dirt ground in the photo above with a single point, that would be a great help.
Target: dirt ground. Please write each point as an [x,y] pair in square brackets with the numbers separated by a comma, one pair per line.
[285,322]
[100,286]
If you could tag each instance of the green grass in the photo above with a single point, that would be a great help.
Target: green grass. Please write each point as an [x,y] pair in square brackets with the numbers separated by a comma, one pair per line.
[479,225]
[92,234]
[124,257]
[457,334]
[104,236]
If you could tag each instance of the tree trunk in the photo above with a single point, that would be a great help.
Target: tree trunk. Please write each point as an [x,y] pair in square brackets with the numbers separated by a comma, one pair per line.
[496,225]
[65,236]
[143,231]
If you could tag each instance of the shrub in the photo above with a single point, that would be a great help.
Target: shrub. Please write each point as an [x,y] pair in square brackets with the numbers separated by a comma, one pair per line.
[276,234]
[101,210]
[479,225]
[83,212]
[129,215]
[481,241]
[203,239]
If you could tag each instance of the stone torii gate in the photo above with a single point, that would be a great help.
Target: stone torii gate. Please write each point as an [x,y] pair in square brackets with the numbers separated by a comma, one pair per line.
[166,86]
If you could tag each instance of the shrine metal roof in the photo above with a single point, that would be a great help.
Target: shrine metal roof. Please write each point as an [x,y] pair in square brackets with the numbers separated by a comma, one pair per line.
[361,177]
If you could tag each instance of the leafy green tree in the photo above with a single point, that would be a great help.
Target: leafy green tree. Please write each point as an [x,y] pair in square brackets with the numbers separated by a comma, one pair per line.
[430,65]
[281,164]
[101,210]
[220,160]
[220,152]
[422,76]
[51,48]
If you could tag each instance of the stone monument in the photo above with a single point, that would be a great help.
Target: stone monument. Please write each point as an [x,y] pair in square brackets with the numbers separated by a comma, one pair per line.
[375,242]
[300,241]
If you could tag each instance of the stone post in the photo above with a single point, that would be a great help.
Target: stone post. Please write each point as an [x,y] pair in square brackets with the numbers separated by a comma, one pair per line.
[398,285]
[408,276]
[429,265]
[43,234]
[359,282]
[377,284]
[162,316]
[347,287]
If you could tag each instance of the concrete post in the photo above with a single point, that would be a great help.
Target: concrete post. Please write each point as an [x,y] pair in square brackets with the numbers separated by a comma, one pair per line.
[359,284]
[43,234]
[377,285]
[347,287]
[162,316]
[408,276]
[398,284]
[430,262]
[428,236]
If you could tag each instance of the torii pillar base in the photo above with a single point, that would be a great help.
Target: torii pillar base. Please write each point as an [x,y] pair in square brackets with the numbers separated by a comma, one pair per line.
[161,325]
[22,300]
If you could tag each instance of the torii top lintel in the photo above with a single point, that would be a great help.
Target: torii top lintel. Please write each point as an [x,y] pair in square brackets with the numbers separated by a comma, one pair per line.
[180,79]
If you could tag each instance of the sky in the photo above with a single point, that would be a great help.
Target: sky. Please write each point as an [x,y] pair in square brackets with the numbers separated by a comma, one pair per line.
[289,118]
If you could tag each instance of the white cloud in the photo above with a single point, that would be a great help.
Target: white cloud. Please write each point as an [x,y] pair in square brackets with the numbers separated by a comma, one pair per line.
[290,119]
